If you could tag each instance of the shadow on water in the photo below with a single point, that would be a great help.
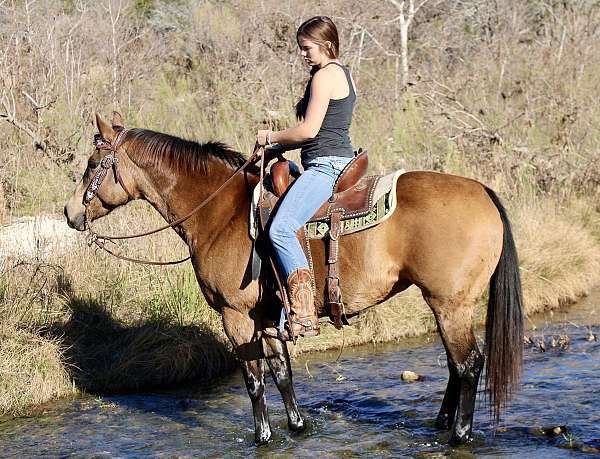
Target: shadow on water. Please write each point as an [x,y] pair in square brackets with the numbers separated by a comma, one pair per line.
[106,356]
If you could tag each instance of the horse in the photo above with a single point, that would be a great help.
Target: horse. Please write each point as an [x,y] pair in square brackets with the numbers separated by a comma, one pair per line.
[449,235]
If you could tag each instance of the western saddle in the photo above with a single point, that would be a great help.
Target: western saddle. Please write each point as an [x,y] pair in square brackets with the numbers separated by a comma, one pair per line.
[352,197]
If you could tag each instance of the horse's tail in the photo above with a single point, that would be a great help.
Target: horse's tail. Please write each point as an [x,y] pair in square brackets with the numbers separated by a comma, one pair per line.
[504,325]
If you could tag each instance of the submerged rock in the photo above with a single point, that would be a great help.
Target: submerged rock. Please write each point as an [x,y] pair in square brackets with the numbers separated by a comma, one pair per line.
[542,345]
[554,431]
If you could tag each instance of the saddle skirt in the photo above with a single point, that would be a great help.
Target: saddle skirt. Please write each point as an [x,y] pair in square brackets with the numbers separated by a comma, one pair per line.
[366,204]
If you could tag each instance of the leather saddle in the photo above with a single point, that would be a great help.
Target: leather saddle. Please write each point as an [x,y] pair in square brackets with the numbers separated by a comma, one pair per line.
[352,192]
[352,197]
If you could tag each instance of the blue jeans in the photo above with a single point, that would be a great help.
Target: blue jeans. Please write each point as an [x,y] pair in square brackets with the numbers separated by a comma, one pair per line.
[300,203]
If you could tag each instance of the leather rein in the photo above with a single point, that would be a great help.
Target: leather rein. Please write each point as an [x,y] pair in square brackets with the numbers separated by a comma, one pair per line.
[109,161]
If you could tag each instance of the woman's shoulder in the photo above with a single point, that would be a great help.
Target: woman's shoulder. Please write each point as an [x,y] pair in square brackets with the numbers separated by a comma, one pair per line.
[330,73]
[333,68]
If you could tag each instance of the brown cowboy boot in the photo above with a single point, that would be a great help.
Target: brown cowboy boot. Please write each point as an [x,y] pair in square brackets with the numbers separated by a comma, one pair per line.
[303,315]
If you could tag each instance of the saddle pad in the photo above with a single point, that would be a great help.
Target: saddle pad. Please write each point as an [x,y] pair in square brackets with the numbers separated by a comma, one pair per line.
[383,197]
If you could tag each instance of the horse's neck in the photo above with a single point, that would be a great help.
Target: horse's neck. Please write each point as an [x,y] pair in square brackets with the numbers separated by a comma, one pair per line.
[176,195]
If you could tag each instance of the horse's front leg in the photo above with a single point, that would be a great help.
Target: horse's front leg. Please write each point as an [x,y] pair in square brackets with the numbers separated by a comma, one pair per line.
[254,376]
[241,331]
[278,359]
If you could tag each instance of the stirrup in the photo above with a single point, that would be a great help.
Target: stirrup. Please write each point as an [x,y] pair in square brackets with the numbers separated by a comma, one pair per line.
[306,327]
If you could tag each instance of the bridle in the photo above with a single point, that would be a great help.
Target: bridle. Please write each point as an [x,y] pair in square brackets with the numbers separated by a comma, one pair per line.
[109,161]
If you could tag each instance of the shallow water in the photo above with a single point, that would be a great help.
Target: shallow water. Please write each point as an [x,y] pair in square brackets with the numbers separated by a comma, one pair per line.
[357,407]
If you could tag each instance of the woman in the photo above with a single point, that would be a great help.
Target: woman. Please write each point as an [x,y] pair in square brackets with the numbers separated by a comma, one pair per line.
[325,114]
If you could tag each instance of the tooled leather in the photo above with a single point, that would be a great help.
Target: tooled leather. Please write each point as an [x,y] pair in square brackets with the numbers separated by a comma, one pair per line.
[352,173]
[354,202]
[302,237]
[301,293]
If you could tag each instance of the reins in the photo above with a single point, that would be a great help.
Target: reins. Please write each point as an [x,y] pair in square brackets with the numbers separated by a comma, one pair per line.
[111,161]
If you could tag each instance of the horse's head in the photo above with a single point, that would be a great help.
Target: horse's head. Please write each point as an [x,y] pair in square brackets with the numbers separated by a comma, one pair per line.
[102,187]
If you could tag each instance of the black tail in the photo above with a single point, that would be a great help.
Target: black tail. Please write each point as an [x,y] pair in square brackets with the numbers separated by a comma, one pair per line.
[504,326]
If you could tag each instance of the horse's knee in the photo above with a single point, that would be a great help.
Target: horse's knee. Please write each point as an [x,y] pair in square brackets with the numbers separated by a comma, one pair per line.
[255,381]
[470,369]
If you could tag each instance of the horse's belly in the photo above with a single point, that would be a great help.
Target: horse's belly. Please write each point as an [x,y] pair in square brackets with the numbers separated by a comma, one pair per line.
[369,270]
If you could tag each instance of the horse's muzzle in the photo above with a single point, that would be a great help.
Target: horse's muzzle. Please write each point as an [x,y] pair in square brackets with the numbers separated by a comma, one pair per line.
[77,222]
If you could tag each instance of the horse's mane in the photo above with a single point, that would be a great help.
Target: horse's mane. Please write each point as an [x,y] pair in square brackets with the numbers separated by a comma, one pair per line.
[152,148]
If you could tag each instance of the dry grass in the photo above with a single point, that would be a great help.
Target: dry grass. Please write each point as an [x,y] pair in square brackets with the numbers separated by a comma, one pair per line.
[560,259]
[2,206]
[32,370]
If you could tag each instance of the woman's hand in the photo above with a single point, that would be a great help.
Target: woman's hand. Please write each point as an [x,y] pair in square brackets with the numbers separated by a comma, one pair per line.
[262,137]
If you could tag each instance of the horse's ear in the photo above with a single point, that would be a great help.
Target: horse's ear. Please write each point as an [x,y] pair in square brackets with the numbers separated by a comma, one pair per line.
[104,129]
[117,121]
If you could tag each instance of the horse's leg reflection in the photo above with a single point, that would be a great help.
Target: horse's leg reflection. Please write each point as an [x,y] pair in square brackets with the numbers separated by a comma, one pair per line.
[278,360]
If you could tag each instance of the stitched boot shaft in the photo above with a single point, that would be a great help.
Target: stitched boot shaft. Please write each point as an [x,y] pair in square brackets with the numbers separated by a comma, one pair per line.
[304,316]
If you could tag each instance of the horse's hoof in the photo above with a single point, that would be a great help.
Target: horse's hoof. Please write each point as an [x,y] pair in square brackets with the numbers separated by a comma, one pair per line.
[262,436]
[262,439]
[297,426]
[442,424]
[455,440]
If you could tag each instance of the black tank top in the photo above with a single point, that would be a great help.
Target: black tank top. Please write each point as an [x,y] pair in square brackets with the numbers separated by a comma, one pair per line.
[333,138]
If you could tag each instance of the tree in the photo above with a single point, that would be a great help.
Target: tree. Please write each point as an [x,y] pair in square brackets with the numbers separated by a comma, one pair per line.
[405,18]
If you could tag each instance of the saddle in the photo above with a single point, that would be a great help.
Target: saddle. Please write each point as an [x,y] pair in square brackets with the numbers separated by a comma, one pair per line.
[357,202]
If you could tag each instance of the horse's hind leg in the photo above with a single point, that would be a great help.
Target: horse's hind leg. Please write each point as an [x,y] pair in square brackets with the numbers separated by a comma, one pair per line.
[278,359]
[465,363]
[241,332]
[445,417]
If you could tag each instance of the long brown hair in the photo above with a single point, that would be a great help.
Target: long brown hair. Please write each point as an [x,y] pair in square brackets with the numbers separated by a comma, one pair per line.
[322,31]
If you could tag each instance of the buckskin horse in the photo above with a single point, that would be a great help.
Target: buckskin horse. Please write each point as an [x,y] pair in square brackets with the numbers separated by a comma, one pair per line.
[450,236]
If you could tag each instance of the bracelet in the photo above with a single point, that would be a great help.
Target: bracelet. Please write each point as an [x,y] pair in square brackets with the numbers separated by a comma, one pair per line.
[269,138]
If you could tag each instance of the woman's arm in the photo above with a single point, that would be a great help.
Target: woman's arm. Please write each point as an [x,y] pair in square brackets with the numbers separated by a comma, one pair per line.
[321,90]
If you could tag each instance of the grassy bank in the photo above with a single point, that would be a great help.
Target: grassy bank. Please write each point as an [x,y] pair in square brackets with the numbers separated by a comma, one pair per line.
[498,91]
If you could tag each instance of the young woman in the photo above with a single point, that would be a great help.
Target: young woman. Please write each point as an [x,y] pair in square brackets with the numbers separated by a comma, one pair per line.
[325,114]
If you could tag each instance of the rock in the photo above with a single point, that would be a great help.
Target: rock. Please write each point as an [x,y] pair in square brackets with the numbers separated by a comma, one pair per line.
[591,336]
[554,431]
[527,339]
[410,376]
[564,341]
[36,237]
[542,345]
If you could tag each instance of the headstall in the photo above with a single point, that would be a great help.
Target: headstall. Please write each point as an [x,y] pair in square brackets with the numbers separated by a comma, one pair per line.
[109,161]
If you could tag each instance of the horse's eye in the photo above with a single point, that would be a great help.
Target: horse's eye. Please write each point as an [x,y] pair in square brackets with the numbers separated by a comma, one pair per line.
[93,164]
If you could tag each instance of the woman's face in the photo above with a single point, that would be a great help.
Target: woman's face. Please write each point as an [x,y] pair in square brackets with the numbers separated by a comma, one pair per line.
[312,53]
